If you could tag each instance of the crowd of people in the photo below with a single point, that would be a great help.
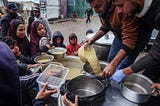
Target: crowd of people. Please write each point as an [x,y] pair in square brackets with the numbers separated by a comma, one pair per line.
[131,21]
[18,50]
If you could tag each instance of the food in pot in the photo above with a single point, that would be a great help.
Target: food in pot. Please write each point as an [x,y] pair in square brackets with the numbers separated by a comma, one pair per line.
[88,55]
[57,52]
[43,60]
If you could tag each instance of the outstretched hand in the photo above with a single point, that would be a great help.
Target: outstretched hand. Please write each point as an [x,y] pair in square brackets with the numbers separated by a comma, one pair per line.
[69,103]
[44,92]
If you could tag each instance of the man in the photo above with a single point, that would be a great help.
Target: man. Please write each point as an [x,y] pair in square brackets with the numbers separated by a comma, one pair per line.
[127,44]
[5,20]
[151,19]
[37,16]
[149,13]
[89,12]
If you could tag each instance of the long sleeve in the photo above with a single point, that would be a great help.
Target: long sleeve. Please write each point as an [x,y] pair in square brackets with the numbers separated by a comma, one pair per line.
[153,57]
[38,102]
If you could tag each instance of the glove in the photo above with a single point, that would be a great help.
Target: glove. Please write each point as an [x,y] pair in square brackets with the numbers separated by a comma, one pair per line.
[117,76]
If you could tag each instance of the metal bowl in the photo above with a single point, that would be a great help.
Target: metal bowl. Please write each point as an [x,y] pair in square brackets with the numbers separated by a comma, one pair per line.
[136,88]
[88,70]
[42,59]
[58,52]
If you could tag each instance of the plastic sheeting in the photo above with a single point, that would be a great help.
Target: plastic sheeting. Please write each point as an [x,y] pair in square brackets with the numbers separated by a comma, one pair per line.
[76,5]
[63,8]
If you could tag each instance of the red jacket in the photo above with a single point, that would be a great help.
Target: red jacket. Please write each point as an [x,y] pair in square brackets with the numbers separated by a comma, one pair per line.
[71,49]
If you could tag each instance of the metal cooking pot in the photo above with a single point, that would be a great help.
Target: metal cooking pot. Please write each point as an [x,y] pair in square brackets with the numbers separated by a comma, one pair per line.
[87,89]
[136,88]
[40,58]
[88,70]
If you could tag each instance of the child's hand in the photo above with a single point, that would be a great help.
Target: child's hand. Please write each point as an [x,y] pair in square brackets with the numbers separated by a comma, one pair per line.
[44,92]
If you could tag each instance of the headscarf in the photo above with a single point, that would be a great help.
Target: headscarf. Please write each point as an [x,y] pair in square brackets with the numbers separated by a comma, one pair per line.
[35,38]
[55,36]
[23,43]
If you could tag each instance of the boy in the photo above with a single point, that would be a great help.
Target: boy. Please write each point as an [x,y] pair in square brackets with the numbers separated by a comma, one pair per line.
[73,45]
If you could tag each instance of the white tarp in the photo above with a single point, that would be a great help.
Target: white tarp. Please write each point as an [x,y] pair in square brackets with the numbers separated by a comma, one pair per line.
[35,1]
[52,12]
[53,2]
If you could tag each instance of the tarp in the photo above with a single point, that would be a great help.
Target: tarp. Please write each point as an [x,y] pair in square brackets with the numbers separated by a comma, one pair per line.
[63,8]
[76,5]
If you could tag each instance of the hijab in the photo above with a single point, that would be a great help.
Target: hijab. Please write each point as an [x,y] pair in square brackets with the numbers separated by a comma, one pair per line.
[23,43]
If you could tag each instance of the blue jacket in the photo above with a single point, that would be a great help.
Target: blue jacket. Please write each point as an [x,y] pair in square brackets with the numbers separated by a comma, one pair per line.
[9,78]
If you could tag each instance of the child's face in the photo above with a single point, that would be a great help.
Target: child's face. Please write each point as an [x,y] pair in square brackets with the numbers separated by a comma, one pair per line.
[20,31]
[58,40]
[15,49]
[41,30]
[73,40]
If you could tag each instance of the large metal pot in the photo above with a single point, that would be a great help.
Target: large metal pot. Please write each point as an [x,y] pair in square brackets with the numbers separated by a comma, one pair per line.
[136,88]
[87,89]
[88,70]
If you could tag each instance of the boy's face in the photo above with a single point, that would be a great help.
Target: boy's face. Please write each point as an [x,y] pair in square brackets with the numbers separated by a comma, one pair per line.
[41,30]
[58,40]
[20,31]
[15,49]
[73,40]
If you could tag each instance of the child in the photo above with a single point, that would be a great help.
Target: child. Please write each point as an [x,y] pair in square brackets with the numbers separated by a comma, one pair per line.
[38,31]
[74,16]
[73,45]
[17,32]
[89,31]
[28,80]
[25,63]
[58,40]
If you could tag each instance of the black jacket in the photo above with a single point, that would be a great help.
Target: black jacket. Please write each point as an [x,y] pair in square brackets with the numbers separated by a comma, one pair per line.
[9,78]
[4,23]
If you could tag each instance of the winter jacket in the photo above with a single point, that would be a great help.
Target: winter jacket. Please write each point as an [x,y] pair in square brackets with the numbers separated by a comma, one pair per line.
[123,26]
[55,36]
[4,23]
[148,14]
[72,49]
[9,78]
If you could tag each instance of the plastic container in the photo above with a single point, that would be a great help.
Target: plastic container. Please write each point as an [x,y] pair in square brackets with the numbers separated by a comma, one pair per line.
[55,75]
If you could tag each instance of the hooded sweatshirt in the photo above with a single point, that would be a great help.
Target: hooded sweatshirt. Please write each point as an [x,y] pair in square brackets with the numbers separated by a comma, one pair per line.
[71,49]
[58,34]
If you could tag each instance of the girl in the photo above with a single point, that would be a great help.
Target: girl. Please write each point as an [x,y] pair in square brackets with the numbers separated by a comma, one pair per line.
[37,32]
[17,32]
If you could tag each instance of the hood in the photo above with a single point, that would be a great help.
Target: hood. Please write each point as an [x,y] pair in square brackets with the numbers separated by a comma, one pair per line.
[73,35]
[146,6]
[57,34]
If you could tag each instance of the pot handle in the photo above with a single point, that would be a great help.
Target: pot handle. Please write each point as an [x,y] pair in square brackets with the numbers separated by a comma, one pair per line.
[155,92]
[70,96]
[63,88]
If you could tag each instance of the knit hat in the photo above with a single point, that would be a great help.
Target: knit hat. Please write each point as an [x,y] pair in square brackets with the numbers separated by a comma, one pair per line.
[11,6]
[36,9]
